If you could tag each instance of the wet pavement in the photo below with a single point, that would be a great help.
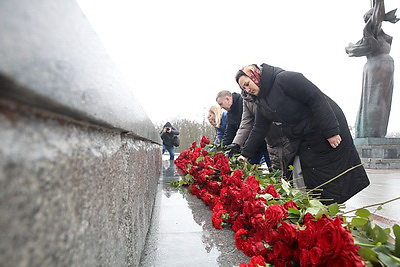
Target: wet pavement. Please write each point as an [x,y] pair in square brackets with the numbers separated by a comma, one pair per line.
[385,185]
[181,232]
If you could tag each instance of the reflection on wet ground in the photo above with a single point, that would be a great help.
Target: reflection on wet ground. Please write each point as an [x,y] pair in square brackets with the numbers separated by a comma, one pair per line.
[181,232]
[385,185]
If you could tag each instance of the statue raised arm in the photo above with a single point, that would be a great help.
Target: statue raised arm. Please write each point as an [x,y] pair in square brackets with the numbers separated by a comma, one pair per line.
[377,85]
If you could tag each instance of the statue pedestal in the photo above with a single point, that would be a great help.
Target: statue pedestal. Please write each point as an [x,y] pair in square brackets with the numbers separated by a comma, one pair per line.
[379,153]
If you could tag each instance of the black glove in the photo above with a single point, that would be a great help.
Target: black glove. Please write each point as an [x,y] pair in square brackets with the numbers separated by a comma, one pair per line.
[233,149]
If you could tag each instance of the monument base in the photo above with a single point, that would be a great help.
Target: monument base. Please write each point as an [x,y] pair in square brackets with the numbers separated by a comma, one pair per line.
[379,153]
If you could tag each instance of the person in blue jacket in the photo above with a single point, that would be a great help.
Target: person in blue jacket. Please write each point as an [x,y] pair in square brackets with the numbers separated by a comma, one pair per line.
[219,119]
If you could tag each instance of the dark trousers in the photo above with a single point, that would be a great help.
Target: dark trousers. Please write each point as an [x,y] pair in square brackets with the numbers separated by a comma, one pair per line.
[260,157]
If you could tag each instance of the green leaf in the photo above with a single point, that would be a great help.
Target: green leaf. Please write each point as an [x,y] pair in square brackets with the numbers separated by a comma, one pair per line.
[188,178]
[174,183]
[316,208]
[387,231]
[368,254]
[386,260]
[396,259]
[314,211]
[333,208]
[266,196]
[363,242]
[294,211]
[396,232]
[199,159]
[363,213]
[294,215]
[356,222]
[316,203]
[381,235]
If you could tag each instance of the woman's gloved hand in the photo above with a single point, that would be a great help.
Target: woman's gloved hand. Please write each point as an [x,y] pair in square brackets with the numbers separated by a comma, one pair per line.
[233,149]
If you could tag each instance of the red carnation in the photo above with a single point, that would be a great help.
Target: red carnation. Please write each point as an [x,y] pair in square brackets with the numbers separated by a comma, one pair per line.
[307,237]
[241,222]
[282,251]
[270,189]
[273,215]
[290,204]
[204,141]
[253,183]
[241,239]
[288,233]
[216,218]
[255,261]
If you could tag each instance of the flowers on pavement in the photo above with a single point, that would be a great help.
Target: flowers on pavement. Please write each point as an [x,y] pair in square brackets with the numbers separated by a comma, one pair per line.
[273,223]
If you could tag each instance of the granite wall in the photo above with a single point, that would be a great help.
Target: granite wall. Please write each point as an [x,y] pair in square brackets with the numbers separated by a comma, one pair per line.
[79,157]
[379,153]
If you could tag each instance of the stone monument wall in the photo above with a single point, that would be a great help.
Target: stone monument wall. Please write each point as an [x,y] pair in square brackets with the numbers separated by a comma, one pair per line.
[79,157]
[379,153]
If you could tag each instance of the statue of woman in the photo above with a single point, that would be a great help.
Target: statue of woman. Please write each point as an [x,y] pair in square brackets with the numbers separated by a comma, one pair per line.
[377,85]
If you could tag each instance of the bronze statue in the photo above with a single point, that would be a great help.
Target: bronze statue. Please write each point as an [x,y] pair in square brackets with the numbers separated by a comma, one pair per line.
[377,85]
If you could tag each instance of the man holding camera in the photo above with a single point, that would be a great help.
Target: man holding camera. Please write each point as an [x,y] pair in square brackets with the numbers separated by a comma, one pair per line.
[167,135]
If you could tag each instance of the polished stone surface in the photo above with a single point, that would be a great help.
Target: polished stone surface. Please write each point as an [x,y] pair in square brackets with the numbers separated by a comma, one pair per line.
[385,185]
[181,232]
[376,141]
[379,153]
[53,59]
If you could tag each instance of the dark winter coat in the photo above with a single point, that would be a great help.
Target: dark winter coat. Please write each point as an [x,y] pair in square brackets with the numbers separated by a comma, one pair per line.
[168,138]
[308,118]
[234,118]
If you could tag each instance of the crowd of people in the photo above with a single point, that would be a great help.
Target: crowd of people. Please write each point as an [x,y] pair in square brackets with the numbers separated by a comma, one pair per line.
[282,119]
[305,126]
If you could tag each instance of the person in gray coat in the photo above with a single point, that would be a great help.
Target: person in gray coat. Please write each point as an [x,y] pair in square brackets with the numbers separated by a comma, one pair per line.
[281,151]
[246,124]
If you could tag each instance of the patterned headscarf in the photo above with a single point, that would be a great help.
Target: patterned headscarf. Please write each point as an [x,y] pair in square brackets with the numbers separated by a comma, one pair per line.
[254,73]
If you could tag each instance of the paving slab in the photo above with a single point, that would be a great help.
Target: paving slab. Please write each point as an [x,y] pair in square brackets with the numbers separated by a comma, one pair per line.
[385,186]
[181,232]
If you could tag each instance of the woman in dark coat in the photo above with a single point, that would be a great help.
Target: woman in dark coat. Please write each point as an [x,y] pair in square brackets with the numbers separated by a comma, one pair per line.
[312,122]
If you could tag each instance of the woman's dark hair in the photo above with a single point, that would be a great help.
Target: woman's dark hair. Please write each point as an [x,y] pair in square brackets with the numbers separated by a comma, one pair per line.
[239,74]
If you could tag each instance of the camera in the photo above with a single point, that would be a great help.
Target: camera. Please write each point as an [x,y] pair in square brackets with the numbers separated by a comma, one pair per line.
[168,129]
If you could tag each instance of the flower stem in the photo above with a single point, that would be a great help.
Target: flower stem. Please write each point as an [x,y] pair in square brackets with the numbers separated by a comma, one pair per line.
[373,205]
[337,176]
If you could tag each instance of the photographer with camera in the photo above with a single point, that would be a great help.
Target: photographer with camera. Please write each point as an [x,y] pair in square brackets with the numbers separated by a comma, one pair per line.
[167,135]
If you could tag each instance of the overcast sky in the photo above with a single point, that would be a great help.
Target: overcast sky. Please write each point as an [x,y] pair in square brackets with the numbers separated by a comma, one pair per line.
[178,54]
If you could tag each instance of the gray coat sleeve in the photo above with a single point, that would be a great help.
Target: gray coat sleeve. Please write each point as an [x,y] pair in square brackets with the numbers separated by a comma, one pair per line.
[246,124]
